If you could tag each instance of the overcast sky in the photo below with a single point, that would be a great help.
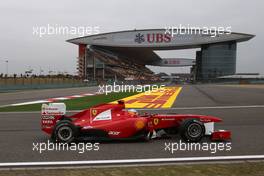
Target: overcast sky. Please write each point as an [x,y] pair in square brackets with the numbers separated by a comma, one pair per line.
[50,52]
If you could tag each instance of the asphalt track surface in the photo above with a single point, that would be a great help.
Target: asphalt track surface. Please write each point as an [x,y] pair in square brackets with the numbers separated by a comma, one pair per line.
[33,95]
[18,131]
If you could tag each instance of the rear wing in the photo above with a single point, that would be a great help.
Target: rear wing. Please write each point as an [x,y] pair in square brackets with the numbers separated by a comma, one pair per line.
[50,113]
[53,109]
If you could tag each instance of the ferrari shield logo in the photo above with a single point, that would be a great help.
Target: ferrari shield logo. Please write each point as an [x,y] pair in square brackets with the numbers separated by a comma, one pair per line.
[156,121]
[94,112]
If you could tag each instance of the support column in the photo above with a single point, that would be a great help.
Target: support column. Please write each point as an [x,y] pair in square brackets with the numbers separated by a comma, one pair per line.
[81,67]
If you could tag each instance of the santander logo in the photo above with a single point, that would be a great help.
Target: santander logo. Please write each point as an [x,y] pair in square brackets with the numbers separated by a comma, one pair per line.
[153,38]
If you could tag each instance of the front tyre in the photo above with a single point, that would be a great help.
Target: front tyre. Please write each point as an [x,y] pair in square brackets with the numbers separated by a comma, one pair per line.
[192,130]
[65,132]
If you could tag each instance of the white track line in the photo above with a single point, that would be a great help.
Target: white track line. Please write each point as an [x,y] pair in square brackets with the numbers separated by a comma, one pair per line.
[49,100]
[77,96]
[28,103]
[133,161]
[60,98]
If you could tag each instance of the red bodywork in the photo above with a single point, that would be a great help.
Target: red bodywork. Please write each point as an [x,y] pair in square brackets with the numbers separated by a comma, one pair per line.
[117,123]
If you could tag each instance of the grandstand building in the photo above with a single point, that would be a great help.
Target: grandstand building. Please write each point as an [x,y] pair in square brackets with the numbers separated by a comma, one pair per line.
[125,55]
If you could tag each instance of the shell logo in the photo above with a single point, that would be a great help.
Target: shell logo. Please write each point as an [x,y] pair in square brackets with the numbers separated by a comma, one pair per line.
[139,124]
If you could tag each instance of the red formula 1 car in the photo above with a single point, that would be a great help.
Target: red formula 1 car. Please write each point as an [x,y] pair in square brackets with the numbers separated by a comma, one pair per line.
[113,121]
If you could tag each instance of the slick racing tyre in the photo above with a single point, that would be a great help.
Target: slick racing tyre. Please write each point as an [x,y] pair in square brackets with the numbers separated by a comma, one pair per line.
[65,132]
[192,130]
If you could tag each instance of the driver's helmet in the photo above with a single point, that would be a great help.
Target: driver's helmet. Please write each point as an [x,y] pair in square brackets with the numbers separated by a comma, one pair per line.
[132,112]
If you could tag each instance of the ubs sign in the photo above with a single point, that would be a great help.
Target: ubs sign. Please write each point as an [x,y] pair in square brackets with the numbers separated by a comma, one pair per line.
[153,38]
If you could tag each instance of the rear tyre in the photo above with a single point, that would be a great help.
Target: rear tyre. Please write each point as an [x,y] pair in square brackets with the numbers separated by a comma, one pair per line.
[192,130]
[65,132]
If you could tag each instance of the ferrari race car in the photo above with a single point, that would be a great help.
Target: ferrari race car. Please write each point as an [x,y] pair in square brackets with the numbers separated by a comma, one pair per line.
[113,121]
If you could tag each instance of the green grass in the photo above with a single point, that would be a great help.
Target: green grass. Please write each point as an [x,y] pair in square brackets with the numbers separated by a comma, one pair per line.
[74,104]
[230,169]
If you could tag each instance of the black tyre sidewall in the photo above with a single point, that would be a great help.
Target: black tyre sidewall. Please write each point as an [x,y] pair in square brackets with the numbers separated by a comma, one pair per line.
[61,124]
[184,133]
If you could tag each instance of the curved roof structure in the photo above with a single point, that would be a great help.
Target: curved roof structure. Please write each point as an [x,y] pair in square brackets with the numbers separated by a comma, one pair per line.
[140,44]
